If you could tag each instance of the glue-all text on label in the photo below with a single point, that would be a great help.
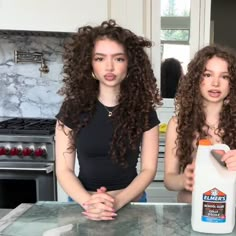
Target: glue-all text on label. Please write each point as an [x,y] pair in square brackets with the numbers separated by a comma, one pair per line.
[214,206]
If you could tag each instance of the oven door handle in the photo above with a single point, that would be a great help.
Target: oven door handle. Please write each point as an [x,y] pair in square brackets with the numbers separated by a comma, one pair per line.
[48,168]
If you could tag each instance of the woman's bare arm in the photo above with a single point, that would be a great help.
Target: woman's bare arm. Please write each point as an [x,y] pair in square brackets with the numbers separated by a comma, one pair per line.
[174,180]
[65,161]
[149,157]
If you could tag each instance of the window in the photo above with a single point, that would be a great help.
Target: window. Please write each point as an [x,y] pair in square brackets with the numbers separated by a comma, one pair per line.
[178,29]
[175,30]
[196,24]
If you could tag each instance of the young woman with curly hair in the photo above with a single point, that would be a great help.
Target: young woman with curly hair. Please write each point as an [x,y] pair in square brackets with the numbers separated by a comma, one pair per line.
[108,114]
[205,108]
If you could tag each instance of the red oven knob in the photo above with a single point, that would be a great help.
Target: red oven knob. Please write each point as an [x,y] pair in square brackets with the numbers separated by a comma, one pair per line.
[15,151]
[4,151]
[27,151]
[40,152]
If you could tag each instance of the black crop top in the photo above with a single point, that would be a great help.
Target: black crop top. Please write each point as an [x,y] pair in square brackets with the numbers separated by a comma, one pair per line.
[96,167]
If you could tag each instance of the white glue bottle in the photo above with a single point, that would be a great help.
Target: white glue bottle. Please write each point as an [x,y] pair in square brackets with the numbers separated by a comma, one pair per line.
[214,192]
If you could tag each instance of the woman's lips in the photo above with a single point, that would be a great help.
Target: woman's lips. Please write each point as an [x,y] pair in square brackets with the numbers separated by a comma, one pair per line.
[214,93]
[110,77]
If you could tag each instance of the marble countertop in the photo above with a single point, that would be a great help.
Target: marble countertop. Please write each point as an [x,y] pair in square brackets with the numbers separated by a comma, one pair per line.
[2,118]
[3,212]
[138,219]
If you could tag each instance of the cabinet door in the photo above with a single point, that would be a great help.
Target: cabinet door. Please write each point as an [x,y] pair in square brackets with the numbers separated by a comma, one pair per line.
[156,192]
[130,14]
[51,15]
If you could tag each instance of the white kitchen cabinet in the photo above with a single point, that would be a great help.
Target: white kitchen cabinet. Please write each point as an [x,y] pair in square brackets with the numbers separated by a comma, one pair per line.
[166,111]
[156,192]
[51,15]
[61,195]
[131,14]
[68,16]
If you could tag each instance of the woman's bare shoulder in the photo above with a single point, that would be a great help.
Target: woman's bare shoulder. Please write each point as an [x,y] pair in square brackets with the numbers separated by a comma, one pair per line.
[171,128]
[172,121]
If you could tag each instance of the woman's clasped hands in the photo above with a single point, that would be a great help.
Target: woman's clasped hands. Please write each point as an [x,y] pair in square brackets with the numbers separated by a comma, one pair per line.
[100,206]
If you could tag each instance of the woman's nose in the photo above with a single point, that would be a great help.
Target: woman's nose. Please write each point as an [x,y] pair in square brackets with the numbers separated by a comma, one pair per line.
[215,81]
[109,65]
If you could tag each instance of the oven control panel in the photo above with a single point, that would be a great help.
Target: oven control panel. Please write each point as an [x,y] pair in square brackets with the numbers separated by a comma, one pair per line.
[26,151]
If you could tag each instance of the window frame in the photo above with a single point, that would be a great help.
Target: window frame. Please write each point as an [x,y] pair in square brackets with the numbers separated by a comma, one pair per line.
[199,37]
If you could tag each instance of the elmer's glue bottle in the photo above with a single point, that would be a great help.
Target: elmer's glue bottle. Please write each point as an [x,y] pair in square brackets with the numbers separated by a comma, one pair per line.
[214,192]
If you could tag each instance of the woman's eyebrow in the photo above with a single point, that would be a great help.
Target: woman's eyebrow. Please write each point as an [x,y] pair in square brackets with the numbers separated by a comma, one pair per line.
[223,72]
[207,70]
[115,54]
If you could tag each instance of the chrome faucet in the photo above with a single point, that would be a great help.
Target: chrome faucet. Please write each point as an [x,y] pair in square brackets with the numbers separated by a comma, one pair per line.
[31,57]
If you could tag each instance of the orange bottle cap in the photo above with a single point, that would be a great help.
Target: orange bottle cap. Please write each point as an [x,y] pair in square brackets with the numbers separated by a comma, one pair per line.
[205,142]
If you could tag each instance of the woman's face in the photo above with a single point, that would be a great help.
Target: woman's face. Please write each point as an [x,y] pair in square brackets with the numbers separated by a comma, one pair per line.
[109,62]
[214,86]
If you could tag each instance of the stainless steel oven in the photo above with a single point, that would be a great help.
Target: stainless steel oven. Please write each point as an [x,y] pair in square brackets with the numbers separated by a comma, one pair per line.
[27,161]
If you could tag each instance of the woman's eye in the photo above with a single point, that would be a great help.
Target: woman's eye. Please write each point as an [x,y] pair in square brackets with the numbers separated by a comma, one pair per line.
[225,76]
[98,59]
[206,75]
[120,59]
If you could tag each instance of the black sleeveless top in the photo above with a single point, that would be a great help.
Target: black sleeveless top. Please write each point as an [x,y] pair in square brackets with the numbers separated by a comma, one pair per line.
[96,167]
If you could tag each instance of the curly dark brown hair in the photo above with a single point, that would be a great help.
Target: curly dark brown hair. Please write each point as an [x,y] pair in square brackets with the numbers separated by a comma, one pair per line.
[189,105]
[138,92]
[171,72]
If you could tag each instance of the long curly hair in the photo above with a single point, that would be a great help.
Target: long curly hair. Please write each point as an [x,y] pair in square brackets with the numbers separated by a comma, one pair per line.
[189,105]
[171,72]
[138,91]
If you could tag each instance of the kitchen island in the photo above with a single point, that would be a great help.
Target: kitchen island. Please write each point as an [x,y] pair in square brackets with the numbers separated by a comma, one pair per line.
[54,219]
[4,212]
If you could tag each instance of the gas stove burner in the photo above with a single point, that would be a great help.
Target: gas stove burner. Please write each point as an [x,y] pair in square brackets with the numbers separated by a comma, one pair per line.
[32,126]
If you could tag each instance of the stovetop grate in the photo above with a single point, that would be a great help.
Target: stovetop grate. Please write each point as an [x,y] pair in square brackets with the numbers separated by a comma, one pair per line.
[30,126]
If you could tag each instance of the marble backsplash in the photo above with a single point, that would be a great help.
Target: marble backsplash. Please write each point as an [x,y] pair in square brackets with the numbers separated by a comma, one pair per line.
[24,90]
